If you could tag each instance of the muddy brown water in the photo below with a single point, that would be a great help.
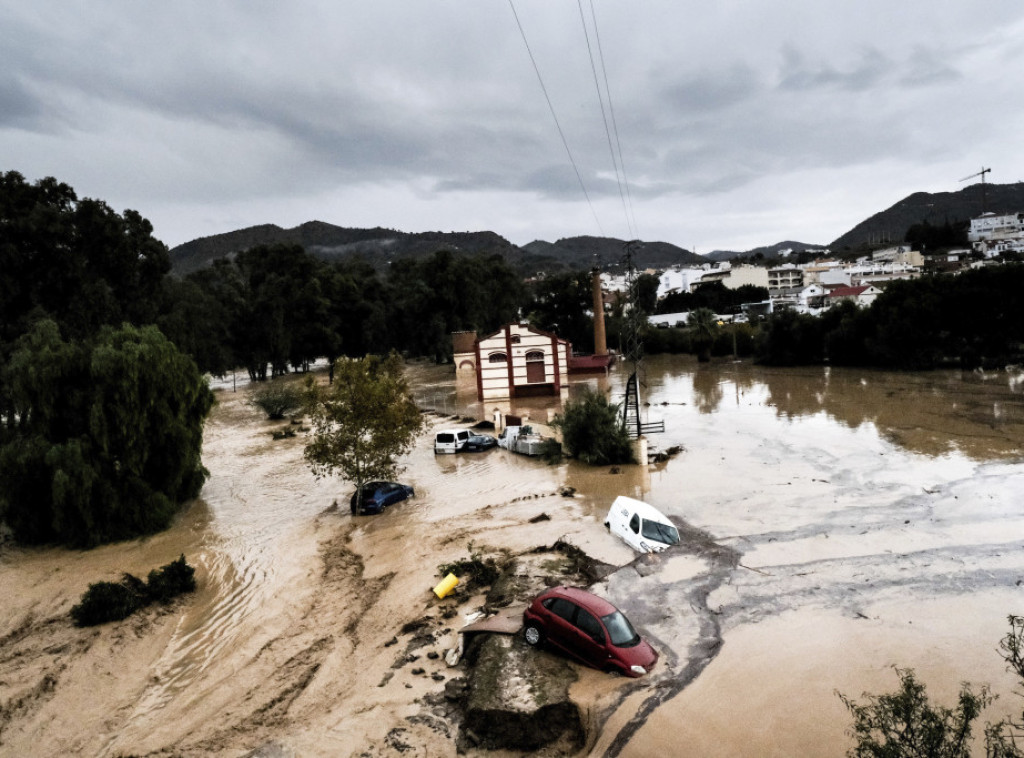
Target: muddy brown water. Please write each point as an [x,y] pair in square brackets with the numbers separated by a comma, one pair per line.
[844,522]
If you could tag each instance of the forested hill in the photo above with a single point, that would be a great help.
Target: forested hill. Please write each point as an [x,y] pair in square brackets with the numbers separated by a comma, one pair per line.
[380,246]
[377,246]
[936,208]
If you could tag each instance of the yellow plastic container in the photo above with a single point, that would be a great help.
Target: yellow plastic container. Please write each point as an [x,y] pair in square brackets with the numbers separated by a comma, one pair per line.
[445,587]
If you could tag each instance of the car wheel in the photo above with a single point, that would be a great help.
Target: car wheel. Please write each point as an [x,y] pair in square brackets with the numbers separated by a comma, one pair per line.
[614,671]
[533,635]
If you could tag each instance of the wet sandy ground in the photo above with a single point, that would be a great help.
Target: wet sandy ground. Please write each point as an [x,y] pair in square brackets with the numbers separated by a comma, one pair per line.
[839,523]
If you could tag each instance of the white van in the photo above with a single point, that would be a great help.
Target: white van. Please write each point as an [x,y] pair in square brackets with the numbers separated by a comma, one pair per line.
[643,527]
[450,440]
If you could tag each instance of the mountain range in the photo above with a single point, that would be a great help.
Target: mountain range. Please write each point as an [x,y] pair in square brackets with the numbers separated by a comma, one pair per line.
[381,247]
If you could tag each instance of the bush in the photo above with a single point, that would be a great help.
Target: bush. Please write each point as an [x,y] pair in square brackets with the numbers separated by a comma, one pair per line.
[277,399]
[593,431]
[169,581]
[110,601]
[113,601]
[904,724]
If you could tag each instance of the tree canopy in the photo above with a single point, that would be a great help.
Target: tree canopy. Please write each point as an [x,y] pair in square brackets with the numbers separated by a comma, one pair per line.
[102,436]
[593,431]
[363,422]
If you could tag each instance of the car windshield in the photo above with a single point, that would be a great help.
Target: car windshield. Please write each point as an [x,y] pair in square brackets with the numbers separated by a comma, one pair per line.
[620,632]
[443,438]
[655,530]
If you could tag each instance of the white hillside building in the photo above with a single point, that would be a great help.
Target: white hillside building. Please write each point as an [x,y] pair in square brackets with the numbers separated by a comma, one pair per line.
[991,234]
[678,280]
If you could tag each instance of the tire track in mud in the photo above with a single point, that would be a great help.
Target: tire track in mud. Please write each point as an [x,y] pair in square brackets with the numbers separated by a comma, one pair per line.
[721,561]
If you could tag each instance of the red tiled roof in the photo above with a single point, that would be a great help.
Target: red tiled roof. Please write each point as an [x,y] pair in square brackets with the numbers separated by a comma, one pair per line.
[847,291]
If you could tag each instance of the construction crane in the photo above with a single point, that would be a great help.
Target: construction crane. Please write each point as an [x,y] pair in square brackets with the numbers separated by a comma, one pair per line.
[982,175]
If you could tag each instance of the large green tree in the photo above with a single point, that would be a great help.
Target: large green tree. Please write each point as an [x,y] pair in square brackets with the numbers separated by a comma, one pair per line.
[562,304]
[103,436]
[363,422]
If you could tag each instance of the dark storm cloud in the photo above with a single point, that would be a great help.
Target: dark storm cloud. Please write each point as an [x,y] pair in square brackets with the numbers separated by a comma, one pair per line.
[408,115]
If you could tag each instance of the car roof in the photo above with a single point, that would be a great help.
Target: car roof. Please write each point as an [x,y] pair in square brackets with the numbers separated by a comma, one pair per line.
[596,605]
[645,510]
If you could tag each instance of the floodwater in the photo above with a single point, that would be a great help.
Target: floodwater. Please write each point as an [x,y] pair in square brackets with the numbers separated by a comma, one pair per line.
[837,523]
[863,520]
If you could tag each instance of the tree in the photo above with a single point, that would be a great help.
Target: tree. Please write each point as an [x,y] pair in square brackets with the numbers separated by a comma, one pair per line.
[592,430]
[561,304]
[703,325]
[363,422]
[647,292]
[105,436]
[904,724]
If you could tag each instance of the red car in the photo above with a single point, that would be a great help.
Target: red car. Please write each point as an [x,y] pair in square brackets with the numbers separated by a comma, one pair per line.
[588,628]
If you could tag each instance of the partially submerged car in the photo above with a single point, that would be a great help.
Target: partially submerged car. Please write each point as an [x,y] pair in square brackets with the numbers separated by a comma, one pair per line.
[450,440]
[379,495]
[589,629]
[479,442]
[643,527]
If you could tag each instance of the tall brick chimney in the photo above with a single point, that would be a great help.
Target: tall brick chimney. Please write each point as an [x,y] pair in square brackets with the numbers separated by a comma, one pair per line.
[600,338]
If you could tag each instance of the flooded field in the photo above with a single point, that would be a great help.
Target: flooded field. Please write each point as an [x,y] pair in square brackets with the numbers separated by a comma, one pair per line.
[840,523]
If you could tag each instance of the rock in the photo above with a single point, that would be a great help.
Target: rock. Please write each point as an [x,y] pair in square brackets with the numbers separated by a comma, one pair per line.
[456,689]
[518,699]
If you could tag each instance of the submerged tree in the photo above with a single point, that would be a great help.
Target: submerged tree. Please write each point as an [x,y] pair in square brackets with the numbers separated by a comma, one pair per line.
[592,430]
[363,422]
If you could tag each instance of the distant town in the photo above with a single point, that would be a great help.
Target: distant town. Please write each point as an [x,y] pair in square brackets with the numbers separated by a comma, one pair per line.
[815,286]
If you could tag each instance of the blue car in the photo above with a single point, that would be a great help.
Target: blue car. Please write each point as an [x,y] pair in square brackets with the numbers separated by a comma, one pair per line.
[479,442]
[379,495]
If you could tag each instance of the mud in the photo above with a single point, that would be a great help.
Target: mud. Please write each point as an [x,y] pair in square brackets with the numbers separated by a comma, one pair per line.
[839,523]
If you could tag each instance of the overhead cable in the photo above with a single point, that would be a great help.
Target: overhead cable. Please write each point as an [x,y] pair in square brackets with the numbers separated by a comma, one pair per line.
[551,107]
[604,114]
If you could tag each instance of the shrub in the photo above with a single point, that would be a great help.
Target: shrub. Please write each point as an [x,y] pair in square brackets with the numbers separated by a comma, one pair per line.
[593,431]
[169,581]
[277,399]
[110,601]
[113,601]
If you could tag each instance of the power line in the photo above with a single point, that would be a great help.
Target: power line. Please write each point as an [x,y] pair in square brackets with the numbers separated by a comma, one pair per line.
[630,215]
[551,107]
[616,160]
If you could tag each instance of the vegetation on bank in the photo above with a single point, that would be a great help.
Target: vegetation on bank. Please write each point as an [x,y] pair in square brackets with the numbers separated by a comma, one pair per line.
[113,601]
[905,724]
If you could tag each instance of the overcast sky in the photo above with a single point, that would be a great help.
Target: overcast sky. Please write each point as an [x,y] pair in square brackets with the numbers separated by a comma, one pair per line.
[733,124]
